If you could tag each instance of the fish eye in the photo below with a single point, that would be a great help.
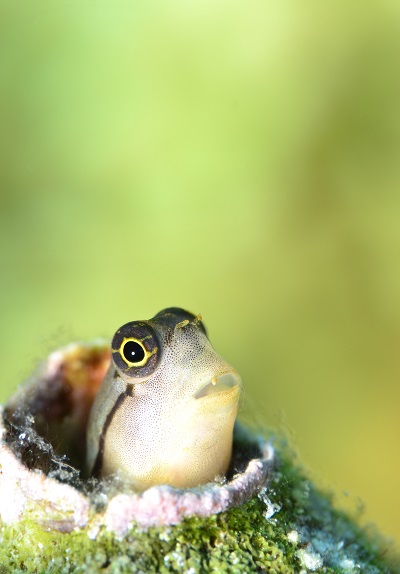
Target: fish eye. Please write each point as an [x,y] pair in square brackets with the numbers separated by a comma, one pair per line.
[136,350]
[133,352]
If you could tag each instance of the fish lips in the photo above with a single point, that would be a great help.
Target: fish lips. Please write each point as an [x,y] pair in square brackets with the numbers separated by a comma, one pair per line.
[226,383]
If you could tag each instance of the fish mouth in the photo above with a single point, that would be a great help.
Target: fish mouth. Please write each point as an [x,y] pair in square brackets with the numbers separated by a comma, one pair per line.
[219,384]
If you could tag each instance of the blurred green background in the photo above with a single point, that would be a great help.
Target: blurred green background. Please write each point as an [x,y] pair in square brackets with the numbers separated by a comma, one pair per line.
[239,159]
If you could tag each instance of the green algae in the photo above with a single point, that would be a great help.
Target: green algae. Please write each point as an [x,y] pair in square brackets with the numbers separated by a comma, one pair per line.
[289,528]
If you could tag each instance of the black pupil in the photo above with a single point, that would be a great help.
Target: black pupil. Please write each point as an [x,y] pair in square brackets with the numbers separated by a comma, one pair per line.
[133,352]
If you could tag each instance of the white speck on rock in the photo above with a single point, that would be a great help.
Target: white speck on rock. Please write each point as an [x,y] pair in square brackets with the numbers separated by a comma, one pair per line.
[165,536]
[174,557]
[271,508]
[309,559]
[93,532]
[234,558]
[293,536]
[349,566]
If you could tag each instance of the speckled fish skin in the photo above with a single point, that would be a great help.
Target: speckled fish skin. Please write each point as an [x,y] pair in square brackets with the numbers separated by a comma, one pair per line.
[173,426]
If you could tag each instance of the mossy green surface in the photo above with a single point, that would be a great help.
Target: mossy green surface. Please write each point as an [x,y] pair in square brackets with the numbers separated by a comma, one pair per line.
[289,528]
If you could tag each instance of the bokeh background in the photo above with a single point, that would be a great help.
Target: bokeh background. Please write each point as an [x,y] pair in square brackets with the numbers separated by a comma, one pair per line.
[239,159]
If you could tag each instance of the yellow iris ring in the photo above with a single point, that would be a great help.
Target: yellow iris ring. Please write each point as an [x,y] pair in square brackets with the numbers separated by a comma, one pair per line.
[146,357]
